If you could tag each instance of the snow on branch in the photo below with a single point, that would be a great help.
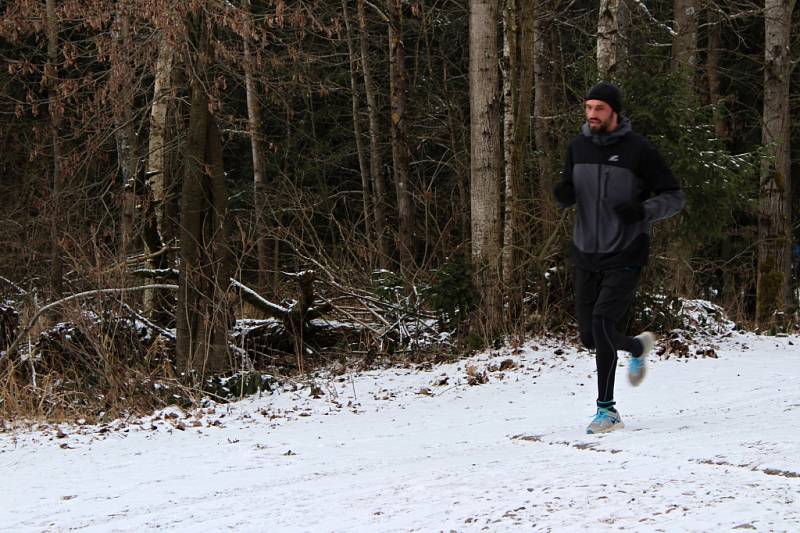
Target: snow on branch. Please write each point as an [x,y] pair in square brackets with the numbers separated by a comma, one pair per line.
[13,348]
[641,5]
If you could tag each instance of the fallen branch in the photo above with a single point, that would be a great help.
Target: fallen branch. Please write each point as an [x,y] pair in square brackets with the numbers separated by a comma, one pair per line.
[20,290]
[151,325]
[13,348]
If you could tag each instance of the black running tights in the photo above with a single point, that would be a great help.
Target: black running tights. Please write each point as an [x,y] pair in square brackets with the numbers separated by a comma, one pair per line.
[607,340]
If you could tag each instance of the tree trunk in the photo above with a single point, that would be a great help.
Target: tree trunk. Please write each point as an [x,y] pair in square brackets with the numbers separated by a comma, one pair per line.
[517,81]
[55,109]
[721,128]
[684,62]
[458,145]
[375,159]
[401,153]
[157,303]
[774,224]
[202,314]
[611,43]
[486,165]
[125,133]
[546,111]
[684,42]
[260,197]
[366,195]
[156,152]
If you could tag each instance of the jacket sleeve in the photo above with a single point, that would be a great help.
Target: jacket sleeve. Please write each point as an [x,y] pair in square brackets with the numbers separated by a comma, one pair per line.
[668,198]
[565,185]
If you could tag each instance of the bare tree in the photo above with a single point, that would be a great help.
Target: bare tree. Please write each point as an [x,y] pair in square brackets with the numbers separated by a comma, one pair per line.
[366,195]
[157,302]
[56,112]
[202,314]
[486,165]
[774,222]
[259,158]
[401,154]
[375,159]
[546,110]
[518,21]
[125,132]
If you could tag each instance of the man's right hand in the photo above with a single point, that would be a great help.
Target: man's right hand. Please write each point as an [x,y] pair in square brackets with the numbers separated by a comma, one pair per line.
[564,193]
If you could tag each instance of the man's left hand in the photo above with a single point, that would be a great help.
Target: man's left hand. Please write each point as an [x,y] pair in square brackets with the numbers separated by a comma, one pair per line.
[630,212]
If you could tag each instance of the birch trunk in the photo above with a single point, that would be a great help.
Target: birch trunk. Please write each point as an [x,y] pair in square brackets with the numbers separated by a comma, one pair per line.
[774,224]
[375,159]
[156,152]
[157,302]
[401,153]
[611,45]
[486,165]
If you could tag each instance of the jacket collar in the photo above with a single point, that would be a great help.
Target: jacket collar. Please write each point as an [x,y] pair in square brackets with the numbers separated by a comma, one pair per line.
[604,139]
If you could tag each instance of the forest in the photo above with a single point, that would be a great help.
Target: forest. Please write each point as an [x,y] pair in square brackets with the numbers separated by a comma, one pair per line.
[200,195]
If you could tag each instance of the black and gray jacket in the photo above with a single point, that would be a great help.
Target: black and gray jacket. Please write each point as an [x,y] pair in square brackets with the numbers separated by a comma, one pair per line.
[607,170]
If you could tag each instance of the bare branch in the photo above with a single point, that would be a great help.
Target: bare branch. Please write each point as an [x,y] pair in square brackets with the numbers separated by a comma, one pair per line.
[13,348]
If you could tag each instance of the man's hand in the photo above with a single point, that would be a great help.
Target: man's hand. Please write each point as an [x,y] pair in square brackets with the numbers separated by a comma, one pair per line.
[630,212]
[564,193]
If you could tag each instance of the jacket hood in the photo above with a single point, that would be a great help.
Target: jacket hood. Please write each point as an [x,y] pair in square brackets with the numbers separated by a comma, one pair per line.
[604,139]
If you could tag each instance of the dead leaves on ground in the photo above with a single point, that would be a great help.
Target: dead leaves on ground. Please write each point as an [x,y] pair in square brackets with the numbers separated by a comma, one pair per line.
[677,346]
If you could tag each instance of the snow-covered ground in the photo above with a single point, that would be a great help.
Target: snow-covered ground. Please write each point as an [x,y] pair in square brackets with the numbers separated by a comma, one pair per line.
[709,445]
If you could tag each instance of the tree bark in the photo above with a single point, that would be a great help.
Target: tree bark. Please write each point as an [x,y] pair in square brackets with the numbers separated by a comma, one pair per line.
[774,224]
[56,111]
[546,111]
[125,134]
[401,154]
[202,313]
[611,44]
[366,193]
[158,302]
[375,159]
[260,194]
[518,16]
[156,152]
[486,166]
[684,42]
[713,53]
[684,62]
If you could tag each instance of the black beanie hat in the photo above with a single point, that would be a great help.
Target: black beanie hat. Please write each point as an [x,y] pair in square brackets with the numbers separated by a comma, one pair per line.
[608,93]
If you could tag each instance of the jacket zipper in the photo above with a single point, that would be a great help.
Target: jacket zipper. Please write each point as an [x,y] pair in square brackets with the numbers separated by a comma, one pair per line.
[600,192]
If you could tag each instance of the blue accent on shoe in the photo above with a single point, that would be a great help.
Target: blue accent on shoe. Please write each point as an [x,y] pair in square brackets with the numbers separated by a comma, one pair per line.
[635,365]
[605,420]
[602,414]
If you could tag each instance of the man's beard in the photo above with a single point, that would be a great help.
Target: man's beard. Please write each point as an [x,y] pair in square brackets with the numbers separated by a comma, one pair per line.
[601,127]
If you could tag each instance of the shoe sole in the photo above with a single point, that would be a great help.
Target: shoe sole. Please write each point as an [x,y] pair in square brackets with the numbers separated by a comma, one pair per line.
[648,341]
[618,425]
[635,381]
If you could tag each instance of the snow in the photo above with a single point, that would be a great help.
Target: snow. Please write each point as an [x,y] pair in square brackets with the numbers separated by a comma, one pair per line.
[709,445]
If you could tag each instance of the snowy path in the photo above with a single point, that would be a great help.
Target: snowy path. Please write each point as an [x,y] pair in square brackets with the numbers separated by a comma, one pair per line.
[709,445]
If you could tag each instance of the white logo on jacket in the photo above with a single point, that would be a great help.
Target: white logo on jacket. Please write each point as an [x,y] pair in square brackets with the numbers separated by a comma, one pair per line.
[614,158]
